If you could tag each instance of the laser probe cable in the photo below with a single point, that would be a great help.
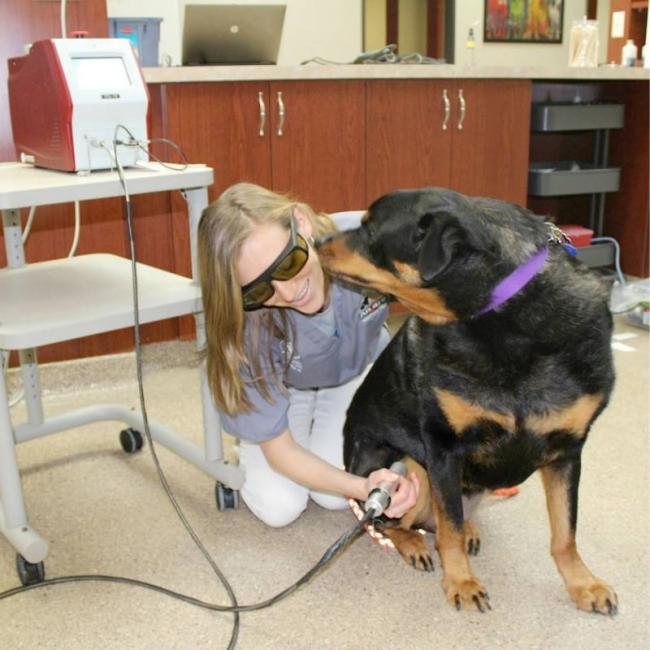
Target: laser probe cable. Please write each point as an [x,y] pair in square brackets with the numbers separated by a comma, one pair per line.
[378,500]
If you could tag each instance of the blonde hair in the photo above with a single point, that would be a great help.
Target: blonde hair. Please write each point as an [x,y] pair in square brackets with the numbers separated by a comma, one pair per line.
[224,226]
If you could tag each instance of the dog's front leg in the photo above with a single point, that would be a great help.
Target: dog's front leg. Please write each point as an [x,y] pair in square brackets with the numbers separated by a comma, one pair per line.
[462,588]
[561,486]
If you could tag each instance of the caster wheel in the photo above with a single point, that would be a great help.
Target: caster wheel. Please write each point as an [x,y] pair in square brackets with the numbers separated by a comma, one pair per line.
[131,440]
[29,574]
[227,498]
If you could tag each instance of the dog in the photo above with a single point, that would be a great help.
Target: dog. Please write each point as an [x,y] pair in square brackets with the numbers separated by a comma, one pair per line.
[499,371]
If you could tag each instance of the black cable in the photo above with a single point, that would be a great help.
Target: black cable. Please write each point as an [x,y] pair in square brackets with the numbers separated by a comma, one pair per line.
[134,142]
[329,554]
[145,419]
[172,144]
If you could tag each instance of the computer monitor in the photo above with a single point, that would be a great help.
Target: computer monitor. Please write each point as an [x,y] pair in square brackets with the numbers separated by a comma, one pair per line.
[232,34]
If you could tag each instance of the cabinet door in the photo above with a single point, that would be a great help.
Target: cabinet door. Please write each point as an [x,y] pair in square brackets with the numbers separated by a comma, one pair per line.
[317,142]
[222,125]
[219,124]
[408,134]
[489,154]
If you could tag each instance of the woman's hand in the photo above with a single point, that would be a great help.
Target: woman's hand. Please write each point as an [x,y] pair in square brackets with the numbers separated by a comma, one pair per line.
[405,495]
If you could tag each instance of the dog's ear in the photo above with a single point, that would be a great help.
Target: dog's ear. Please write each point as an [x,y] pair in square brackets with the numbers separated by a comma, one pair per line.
[437,237]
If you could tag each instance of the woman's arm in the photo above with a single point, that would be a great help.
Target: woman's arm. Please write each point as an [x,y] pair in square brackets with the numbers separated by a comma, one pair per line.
[292,460]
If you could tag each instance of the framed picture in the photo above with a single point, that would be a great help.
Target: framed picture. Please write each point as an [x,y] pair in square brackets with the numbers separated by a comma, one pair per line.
[523,21]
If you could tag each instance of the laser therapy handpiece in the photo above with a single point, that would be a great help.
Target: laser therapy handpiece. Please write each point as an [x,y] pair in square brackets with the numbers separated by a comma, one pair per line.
[379,499]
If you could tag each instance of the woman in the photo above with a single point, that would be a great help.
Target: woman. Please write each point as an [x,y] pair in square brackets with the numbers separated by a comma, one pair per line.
[286,349]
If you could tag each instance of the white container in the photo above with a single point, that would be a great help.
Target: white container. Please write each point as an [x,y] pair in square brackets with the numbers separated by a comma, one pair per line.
[628,55]
[583,44]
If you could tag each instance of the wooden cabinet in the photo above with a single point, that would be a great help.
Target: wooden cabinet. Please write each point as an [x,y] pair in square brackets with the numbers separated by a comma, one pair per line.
[219,124]
[489,156]
[320,156]
[305,138]
[408,135]
[469,135]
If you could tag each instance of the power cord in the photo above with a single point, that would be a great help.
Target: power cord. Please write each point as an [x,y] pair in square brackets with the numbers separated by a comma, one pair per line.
[329,554]
[134,142]
[234,608]
[617,255]
[145,419]
[386,54]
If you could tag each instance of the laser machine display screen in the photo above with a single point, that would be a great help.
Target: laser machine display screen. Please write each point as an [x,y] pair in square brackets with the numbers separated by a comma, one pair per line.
[101,72]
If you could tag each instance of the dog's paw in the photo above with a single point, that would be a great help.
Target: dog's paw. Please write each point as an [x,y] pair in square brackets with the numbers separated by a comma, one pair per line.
[467,593]
[420,559]
[472,538]
[412,547]
[596,597]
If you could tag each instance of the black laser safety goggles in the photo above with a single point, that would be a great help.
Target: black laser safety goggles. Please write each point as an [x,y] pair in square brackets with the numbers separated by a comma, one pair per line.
[286,266]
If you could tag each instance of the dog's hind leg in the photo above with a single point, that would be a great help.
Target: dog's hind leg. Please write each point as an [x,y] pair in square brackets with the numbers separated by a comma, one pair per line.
[589,592]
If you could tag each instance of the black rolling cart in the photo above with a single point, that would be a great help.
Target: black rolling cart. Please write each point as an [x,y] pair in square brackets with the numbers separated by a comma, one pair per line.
[570,177]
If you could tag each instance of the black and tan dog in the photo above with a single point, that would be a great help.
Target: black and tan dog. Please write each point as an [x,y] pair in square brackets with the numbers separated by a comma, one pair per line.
[500,371]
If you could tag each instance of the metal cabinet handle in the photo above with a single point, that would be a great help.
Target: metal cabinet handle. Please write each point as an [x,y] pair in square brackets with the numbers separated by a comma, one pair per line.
[445,99]
[260,101]
[463,109]
[280,113]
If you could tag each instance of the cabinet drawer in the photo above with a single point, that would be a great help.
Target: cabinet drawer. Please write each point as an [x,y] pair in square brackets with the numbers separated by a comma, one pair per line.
[576,117]
[571,177]
[597,255]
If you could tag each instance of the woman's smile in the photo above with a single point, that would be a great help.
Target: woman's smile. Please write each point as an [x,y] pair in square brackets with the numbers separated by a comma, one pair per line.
[302,294]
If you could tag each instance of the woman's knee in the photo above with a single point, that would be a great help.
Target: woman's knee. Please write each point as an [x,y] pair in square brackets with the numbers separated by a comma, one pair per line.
[275,510]
[329,501]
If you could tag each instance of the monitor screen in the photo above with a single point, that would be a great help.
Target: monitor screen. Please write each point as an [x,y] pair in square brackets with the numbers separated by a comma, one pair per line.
[100,72]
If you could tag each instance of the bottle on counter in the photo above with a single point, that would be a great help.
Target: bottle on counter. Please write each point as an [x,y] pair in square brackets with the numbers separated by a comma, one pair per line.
[470,43]
[628,55]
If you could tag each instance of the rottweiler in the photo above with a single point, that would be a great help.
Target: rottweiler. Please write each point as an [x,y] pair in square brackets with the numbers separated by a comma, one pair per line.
[500,369]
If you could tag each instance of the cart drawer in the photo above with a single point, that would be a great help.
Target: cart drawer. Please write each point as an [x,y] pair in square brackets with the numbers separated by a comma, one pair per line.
[576,117]
[597,255]
[571,177]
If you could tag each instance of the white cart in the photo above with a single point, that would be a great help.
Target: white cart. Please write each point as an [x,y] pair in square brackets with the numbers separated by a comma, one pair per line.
[63,299]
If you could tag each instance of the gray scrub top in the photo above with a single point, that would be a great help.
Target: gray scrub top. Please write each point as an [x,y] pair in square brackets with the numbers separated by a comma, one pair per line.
[319,359]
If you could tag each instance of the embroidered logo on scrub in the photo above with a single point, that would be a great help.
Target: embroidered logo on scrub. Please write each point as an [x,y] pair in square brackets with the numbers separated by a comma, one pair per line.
[370,305]
[295,362]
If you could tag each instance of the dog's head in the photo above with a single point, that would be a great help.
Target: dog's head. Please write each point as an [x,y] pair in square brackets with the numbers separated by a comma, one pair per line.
[438,252]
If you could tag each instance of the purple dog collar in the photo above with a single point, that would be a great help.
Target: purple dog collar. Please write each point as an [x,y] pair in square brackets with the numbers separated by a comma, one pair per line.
[516,281]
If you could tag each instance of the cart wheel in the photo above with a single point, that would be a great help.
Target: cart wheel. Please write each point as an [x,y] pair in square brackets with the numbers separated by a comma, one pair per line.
[131,440]
[227,498]
[29,574]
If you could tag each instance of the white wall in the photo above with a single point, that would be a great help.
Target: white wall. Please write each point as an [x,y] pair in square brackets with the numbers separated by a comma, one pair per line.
[469,12]
[602,15]
[330,29]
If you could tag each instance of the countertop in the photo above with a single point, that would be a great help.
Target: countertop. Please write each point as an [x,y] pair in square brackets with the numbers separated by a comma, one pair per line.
[312,71]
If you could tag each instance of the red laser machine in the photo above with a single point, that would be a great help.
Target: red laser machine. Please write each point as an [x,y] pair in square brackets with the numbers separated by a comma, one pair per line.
[66,96]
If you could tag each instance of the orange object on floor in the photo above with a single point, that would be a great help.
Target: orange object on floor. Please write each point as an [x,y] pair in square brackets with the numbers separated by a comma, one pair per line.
[506,492]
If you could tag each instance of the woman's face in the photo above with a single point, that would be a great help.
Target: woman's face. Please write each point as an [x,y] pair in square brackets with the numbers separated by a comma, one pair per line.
[305,292]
